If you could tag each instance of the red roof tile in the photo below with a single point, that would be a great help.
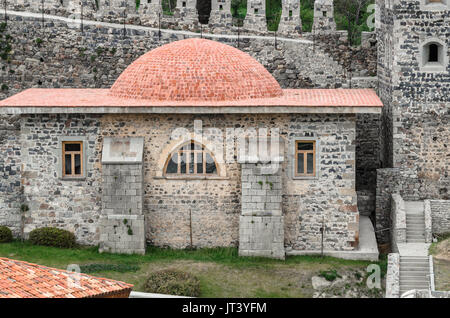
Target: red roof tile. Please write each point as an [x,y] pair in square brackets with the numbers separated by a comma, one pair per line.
[195,70]
[20,279]
[72,97]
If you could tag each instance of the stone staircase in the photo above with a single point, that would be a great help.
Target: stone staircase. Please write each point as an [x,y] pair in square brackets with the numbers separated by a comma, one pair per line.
[415,222]
[414,271]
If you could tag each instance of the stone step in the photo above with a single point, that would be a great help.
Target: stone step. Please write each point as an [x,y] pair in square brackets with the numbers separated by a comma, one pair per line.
[418,275]
[415,261]
[415,220]
[408,257]
[412,223]
[415,227]
[407,287]
[410,236]
[414,280]
[415,241]
[405,269]
[412,219]
[415,205]
[415,215]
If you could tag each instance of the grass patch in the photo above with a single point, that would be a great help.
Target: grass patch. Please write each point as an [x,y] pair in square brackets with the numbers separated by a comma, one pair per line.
[330,275]
[221,271]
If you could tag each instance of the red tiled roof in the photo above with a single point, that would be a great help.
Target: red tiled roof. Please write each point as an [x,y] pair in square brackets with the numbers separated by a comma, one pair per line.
[69,97]
[20,279]
[195,70]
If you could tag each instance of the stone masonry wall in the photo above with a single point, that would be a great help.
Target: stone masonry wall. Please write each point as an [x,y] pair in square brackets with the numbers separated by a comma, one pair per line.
[440,216]
[261,224]
[210,208]
[122,225]
[213,206]
[10,185]
[416,112]
[74,205]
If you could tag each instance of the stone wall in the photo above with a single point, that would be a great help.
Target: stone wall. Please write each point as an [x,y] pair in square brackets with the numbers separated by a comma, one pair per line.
[73,205]
[398,221]
[10,179]
[393,276]
[440,216]
[261,224]
[122,225]
[416,113]
[209,208]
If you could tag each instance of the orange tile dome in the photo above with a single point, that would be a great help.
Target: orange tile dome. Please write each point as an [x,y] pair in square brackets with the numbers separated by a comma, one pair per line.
[195,70]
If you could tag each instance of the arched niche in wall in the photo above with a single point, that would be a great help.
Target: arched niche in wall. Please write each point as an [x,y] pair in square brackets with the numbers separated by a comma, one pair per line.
[433,55]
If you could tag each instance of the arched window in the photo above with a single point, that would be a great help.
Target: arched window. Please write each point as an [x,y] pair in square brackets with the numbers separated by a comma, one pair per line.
[191,159]
[434,57]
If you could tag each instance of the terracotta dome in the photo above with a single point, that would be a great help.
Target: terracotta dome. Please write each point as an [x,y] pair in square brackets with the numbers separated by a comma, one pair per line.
[195,70]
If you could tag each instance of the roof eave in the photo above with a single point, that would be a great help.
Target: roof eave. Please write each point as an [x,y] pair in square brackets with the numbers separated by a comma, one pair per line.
[17,110]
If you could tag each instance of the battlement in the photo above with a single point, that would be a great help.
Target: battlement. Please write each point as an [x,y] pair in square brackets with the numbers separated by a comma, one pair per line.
[185,15]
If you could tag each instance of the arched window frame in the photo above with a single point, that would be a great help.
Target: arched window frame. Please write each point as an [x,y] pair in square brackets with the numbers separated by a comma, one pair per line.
[441,64]
[204,150]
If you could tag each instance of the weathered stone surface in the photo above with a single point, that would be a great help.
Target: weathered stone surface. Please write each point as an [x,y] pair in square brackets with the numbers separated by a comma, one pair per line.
[440,216]
[393,276]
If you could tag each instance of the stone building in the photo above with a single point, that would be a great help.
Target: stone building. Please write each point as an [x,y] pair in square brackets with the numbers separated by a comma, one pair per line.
[195,144]
[414,85]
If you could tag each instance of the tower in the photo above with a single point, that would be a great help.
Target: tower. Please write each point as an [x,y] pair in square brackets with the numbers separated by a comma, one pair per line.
[150,11]
[290,21]
[186,12]
[255,20]
[324,17]
[414,85]
[220,14]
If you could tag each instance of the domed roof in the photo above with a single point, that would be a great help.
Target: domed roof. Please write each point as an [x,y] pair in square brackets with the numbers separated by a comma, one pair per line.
[195,70]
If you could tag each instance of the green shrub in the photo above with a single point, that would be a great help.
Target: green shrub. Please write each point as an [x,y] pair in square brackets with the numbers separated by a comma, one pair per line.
[330,275]
[173,282]
[51,236]
[5,234]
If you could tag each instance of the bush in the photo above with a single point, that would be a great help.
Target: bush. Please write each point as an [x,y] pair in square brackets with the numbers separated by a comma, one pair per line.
[51,236]
[5,234]
[330,275]
[173,282]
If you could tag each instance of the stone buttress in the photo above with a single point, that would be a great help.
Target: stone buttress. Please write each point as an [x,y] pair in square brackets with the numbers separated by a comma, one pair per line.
[261,224]
[122,225]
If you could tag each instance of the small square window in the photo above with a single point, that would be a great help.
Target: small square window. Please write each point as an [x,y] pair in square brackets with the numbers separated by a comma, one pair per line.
[256,11]
[220,7]
[324,13]
[72,159]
